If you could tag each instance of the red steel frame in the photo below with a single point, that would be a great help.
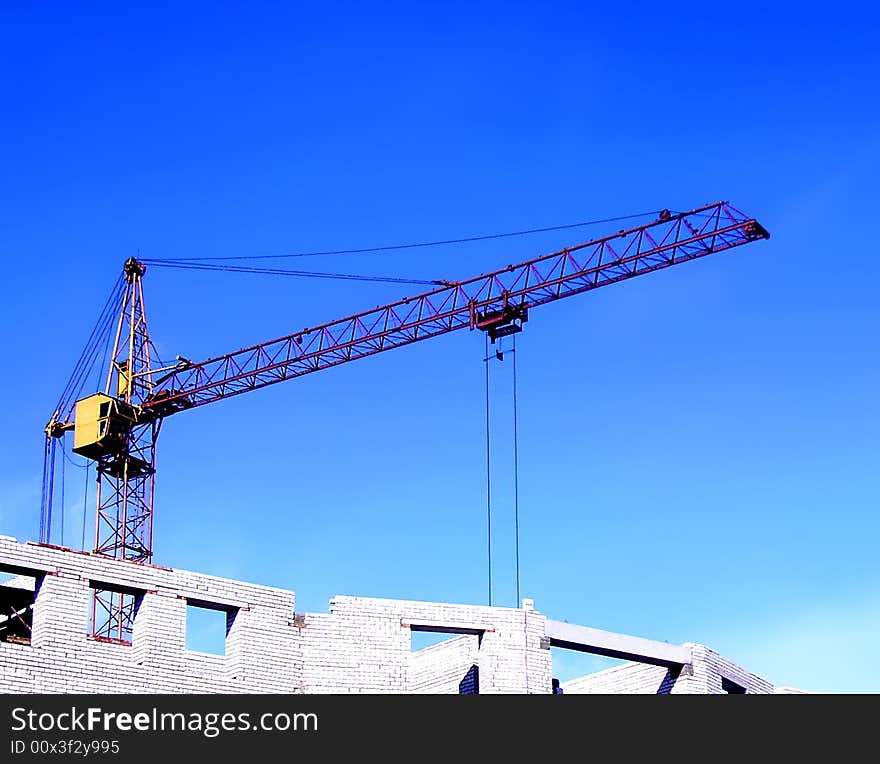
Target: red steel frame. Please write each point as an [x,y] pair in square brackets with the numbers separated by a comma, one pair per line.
[506,294]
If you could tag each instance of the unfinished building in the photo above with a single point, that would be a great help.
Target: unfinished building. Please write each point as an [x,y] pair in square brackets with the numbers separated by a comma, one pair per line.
[363,645]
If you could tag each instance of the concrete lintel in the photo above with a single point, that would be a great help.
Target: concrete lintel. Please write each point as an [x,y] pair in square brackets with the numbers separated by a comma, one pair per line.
[118,585]
[26,568]
[212,602]
[446,627]
[613,645]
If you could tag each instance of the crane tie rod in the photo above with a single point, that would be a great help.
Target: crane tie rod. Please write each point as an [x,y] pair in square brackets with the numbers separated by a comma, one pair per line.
[416,245]
[285,272]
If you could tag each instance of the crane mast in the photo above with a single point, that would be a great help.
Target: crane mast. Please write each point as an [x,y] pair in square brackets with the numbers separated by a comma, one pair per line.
[125,468]
[119,427]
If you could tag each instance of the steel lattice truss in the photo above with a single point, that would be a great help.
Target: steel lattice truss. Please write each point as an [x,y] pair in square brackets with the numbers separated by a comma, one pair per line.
[506,294]
[125,498]
[125,476]
[123,528]
[112,616]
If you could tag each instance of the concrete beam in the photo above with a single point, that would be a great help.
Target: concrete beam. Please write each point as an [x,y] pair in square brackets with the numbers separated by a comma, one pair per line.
[27,569]
[446,627]
[212,601]
[109,583]
[612,645]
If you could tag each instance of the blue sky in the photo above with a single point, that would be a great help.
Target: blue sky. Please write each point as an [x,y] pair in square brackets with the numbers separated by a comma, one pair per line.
[698,447]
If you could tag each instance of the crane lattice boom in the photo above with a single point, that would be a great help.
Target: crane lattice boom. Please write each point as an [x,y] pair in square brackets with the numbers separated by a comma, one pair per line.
[497,302]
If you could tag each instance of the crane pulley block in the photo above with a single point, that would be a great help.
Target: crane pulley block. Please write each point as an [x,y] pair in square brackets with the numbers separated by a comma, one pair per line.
[502,322]
[164,403]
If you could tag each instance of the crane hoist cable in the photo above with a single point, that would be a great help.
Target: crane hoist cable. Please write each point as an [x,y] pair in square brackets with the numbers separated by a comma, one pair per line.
[487,359]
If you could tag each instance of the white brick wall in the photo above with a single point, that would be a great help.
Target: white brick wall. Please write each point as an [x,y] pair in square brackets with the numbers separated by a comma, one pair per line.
[628,679]
[362,645]
[703,677]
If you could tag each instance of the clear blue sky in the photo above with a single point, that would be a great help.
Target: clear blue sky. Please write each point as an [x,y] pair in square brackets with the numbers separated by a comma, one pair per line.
[698,447]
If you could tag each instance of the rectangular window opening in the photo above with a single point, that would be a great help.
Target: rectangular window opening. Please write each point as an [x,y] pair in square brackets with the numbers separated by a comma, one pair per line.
[17,596]
[207,628]
[732,688]
[569,665]
[443,660]
[112,611]
[422,639]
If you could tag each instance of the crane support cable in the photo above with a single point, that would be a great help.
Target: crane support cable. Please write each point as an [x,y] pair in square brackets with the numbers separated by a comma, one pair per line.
[421,244]
[48,490]
[104,319]
[44,497]
[92,350]
[62,499]
[284,272]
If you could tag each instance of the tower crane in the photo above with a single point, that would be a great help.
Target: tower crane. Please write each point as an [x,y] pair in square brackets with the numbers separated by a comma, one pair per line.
[118,428]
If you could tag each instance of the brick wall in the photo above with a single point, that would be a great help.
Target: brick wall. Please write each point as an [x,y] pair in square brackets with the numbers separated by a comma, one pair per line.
[709,674]
[628,679]
[362,645]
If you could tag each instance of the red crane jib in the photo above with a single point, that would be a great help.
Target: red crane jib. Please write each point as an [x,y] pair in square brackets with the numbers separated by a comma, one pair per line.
[496,302]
